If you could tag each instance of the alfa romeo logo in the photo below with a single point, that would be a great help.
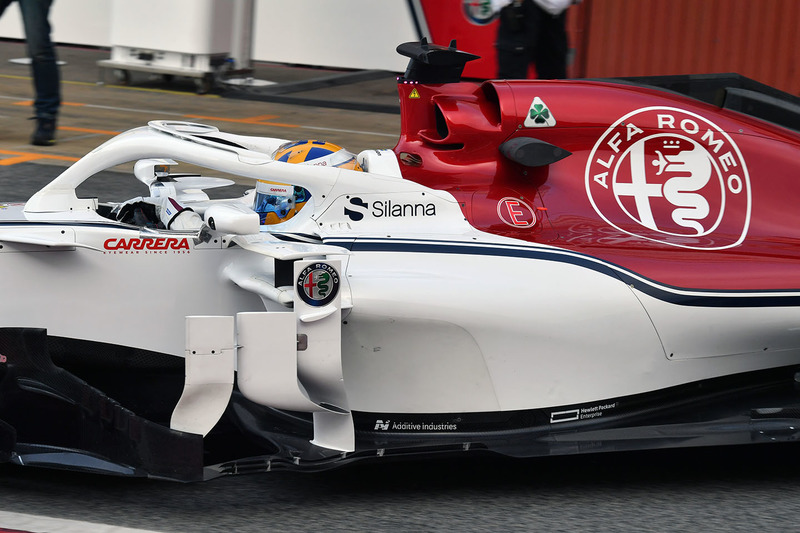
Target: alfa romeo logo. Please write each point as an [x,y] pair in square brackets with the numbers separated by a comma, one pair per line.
[671,176]
[479,12]
[318,284]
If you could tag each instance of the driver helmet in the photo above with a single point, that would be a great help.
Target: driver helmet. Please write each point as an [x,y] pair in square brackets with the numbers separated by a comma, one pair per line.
[318,153]
[278,202]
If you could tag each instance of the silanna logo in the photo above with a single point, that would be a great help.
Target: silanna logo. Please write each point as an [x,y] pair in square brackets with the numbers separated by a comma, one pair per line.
[387,209]
[156,245]
[671,176]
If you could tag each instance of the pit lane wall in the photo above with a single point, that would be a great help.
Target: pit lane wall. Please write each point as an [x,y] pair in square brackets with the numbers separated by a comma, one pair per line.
[607,37]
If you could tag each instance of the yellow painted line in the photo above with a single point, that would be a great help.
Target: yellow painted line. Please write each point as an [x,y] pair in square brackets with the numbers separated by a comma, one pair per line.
[88,83]
[87,130]
[152,90]
[22,157]
[261,120]
[30,102]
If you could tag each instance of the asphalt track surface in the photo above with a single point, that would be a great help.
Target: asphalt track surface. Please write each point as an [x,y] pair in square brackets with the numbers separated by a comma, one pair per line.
[753,489]
[728,489]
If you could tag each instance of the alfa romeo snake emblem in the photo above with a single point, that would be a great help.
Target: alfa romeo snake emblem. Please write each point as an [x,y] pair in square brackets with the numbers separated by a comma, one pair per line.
[318,284]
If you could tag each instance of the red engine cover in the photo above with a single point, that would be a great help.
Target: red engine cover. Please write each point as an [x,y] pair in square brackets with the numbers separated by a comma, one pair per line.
[673,189]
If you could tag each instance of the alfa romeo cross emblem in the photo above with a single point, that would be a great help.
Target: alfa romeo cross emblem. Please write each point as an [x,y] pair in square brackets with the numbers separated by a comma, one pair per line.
[671,176]
[318,284]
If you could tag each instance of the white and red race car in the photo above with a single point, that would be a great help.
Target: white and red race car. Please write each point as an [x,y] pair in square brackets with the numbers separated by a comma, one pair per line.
[536,268]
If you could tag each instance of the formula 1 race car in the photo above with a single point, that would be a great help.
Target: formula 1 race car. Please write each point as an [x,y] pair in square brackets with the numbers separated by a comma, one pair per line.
[536,268]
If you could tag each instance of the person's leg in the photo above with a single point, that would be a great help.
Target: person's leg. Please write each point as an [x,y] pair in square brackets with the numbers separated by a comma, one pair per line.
[46,77]
[550,54]
[513,43]
[512,64]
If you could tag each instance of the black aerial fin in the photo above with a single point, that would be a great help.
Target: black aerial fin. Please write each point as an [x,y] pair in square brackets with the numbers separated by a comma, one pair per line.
[432,63]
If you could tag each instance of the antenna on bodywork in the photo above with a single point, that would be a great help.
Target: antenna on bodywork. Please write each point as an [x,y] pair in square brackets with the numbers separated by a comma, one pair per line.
[432,63]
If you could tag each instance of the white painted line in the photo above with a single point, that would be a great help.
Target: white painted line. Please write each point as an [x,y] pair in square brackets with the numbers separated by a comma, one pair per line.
[129,110]
[350,131]
[27,61]
[44,524]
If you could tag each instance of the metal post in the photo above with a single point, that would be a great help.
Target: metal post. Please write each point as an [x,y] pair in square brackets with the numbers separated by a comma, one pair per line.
[242,33]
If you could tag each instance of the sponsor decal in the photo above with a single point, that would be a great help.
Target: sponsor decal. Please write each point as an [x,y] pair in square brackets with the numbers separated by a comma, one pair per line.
[414,93]
[318,284]
[581,413]
[387,209]
[265,187]
[386,425]
[356,215]
[516,213]
[539,115]
[671,176]
[478,12]
[136,245]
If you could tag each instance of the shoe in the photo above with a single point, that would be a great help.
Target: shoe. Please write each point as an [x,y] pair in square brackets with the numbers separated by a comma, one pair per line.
[45,134]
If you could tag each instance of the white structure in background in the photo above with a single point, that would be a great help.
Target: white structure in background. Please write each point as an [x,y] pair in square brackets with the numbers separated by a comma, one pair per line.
[180,37]
[357,34]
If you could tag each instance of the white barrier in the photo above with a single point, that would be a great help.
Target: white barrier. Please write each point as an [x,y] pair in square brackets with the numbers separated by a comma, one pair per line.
[359,34]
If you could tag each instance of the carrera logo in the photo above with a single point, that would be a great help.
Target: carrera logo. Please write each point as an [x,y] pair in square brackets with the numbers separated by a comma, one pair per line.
[387,209]
[161,244]
[671,176]
[516,213]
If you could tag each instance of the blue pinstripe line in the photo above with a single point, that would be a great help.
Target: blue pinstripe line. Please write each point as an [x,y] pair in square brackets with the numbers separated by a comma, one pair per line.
[672,294]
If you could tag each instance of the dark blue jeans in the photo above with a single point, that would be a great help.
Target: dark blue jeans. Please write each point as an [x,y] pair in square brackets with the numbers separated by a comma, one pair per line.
[46,76]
